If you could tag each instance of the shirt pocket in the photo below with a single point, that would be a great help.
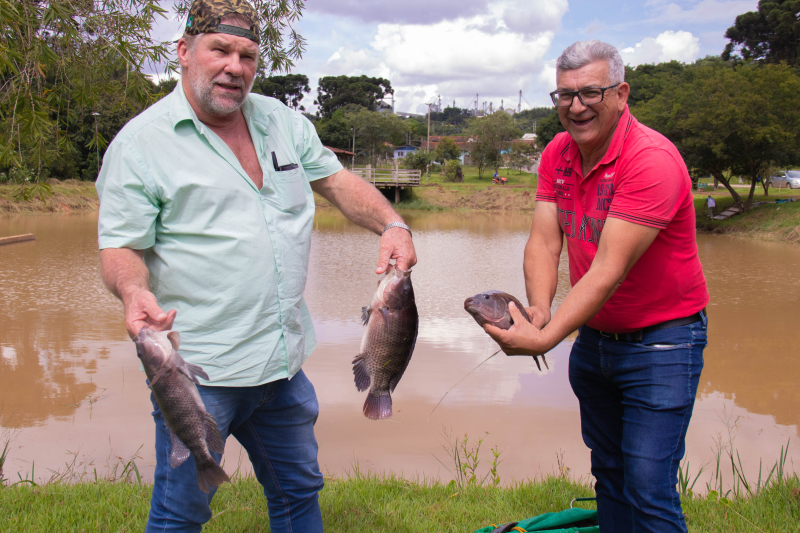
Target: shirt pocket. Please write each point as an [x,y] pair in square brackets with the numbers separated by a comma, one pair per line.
[290,188]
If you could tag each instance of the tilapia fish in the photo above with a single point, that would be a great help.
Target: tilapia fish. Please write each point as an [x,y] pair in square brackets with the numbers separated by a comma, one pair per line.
[391,322]
[491,307]
[192,429]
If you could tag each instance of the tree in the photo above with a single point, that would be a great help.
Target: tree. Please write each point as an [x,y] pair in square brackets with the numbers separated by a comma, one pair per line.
[741,119]
[335,131]
[519,155]
[289,89]
[648,81]
[417,160]
[62,60]
[446,150]
[482,156]
[771,34]
[528,120]
[493,133]
[547,129]
[337,91]
[374,130]
[452,171]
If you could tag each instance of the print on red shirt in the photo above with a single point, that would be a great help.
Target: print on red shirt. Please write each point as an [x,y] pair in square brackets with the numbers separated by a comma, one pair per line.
[641,179]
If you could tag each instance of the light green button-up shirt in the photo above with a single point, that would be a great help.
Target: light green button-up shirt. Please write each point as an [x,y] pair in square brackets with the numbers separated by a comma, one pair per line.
[232,260]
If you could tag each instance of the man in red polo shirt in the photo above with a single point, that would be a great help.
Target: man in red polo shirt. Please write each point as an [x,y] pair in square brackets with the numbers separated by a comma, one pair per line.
[621,195]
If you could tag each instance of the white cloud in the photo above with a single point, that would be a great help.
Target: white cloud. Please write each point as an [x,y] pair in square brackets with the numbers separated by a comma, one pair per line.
[678,45]
[494,54]
[703,11]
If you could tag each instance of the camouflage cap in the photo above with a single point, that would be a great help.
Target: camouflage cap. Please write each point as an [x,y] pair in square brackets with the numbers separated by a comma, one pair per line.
[205,16]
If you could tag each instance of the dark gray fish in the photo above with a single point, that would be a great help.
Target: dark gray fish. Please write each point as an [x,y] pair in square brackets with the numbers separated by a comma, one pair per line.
[192,429]
[491,307]
[392,323]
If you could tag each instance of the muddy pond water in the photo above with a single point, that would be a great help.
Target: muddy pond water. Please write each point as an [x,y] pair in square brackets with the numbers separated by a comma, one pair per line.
[72,392]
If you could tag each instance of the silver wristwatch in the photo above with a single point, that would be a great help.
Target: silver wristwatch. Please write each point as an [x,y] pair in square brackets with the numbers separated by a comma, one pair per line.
[396,225]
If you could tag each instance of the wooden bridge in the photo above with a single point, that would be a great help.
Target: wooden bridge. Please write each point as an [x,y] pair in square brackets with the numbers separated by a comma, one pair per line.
[397,178]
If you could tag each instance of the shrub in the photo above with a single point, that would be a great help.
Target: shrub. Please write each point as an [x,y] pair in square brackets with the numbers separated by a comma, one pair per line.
[452,171]
[417,160]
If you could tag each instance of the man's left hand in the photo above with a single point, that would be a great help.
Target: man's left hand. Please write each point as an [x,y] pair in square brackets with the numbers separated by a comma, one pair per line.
[523,338]
[396,244]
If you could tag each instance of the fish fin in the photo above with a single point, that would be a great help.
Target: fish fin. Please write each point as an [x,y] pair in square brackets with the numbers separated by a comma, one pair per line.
[161,371]
[213,436]
[385,312]
[365,314]
[537,363]
[196,370]
[210,475]
[175,339]
[396,378]
[179,452]
[378,405]
[545,362]
[360,372]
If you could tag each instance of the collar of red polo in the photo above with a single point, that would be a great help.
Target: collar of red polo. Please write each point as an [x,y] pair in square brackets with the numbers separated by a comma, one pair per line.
[626,122]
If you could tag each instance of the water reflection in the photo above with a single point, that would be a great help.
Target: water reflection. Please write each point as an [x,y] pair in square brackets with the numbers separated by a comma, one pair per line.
[69,376]
[753,353]
[51,310]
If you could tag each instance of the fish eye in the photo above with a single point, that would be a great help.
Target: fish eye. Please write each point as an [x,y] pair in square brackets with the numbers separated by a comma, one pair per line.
[485,296]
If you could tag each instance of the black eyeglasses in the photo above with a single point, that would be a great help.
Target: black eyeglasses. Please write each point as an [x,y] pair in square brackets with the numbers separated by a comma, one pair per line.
[588,96]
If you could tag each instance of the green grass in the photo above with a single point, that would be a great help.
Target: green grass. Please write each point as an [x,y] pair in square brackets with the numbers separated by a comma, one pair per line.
[70,195]
[471,178]
[371,503]
[777,222]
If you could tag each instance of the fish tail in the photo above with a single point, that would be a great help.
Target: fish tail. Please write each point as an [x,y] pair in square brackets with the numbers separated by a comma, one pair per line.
[210,475]
[378,405]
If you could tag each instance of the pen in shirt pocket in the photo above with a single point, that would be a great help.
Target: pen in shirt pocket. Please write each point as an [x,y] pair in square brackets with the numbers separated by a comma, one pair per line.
[279,168]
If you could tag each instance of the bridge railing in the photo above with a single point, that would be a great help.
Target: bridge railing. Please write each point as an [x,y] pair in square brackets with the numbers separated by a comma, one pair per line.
[389,177]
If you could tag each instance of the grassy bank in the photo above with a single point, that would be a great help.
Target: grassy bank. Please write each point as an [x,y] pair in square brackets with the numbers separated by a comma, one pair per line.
[769,222]
[773,222]
[369,504]
[70,195]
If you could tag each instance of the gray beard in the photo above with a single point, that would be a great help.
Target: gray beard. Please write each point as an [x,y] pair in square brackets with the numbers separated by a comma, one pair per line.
[203,91]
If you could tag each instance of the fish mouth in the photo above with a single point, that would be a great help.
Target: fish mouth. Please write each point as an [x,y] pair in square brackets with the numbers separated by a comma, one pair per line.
[142,335]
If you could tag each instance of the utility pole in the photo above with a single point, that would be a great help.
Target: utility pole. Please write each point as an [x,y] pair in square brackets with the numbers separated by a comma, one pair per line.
[354,147]
[428,148]
[519,105]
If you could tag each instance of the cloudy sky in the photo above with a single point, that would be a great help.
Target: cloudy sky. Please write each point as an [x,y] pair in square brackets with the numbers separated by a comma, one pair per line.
[458,49]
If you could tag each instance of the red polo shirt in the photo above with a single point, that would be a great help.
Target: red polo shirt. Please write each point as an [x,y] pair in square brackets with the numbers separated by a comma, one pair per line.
[641,179]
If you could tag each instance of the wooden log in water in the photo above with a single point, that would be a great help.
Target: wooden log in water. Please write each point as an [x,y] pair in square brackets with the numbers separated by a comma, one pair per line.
[17,238]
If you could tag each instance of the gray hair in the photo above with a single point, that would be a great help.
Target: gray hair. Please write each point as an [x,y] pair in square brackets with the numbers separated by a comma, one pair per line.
[582,53]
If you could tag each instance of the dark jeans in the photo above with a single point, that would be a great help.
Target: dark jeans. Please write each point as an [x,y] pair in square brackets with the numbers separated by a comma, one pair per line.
[275,424]
[636,400]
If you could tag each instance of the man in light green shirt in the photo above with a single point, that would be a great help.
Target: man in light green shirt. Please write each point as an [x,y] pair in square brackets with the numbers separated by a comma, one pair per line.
[206,210]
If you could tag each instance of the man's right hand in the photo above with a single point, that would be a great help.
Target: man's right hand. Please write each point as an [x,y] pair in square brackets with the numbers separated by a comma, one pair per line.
[142,310]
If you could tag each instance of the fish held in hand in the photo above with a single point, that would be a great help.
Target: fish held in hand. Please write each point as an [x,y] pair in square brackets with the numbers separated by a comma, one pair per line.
[173,382]
[392,323]
[491,307]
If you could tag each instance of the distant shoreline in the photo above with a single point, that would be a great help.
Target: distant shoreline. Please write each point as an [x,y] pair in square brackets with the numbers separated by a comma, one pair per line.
[771,222]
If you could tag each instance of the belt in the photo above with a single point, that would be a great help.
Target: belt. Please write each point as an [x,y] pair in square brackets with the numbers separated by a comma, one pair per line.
[637,336]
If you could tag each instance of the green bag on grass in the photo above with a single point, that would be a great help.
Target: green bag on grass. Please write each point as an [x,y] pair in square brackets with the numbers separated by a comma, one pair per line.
[568,521]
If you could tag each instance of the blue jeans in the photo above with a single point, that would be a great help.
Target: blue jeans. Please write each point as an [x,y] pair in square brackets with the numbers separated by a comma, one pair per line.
[275,424]
[636,400]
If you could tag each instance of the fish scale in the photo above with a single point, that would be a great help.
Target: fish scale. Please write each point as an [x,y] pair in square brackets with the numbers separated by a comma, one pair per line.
[391,323]
[192,429]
